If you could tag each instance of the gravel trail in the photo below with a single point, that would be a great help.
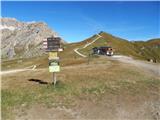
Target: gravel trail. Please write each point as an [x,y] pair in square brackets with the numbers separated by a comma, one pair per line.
[151,67]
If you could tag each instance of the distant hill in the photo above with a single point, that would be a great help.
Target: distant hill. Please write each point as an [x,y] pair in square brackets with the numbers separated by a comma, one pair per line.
[149,49]
[138,49]
[22,39]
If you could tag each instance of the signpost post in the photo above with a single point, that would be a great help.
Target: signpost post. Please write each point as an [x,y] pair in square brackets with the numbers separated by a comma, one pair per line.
[52,46]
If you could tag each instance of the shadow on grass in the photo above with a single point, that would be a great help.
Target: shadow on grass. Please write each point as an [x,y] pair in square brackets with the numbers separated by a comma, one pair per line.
[38,81]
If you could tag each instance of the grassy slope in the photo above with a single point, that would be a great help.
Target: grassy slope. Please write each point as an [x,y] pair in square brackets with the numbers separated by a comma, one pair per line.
[76,83]
[22,63]
[124,47]
[149,49]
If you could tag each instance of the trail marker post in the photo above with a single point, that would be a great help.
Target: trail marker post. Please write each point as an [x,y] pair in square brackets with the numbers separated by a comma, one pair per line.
[52,46]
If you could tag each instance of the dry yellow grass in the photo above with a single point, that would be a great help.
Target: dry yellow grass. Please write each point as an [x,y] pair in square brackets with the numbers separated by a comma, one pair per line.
[78,83]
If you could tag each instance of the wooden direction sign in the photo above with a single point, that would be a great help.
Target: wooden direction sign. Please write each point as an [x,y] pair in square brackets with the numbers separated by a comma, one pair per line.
[52,44]
[45,44]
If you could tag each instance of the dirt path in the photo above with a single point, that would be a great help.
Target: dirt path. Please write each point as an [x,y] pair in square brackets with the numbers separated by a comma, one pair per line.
[33,67]
[76,51]
[86,45]
[151,67]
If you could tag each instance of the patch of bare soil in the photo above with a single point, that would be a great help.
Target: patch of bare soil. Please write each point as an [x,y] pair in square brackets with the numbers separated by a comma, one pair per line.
[121,107]
[110,107]
[41,112]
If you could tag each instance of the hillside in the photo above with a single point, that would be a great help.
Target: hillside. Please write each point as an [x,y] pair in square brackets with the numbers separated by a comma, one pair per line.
[23,39]
[85,86]
[139,50]
[149,49]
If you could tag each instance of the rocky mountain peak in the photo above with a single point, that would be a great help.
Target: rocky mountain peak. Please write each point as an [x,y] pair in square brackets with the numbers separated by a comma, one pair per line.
[23,39]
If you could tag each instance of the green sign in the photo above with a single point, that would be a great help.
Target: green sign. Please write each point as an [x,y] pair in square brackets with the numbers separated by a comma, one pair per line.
[53,62]
[54,68]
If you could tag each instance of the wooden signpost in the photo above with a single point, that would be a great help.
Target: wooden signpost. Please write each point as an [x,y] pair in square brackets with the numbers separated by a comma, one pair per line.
[52,46]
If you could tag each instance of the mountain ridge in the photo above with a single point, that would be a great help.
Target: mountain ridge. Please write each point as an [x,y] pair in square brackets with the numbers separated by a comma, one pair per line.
[23,39]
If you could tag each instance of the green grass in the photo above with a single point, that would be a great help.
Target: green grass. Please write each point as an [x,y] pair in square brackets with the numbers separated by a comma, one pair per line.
[41,62]
[48,95]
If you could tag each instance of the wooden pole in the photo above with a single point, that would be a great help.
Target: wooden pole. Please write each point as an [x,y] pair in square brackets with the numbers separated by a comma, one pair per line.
[54,78]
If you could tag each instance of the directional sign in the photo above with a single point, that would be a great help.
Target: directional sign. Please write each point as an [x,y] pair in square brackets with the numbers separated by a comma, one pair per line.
[54,68]
[53,62]
[53,55]
[53,44]
[60,49]
[45,43]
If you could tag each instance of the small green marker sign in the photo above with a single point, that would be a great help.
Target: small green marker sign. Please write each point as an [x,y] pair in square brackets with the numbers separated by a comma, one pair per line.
[54,68]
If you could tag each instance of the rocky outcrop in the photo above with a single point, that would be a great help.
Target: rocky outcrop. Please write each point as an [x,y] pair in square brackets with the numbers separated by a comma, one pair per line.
[22,40]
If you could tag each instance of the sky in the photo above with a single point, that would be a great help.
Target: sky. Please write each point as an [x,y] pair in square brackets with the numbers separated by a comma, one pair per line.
[76,21]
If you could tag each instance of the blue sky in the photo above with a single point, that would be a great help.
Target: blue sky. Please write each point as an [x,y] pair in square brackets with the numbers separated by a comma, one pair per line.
[76,21]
